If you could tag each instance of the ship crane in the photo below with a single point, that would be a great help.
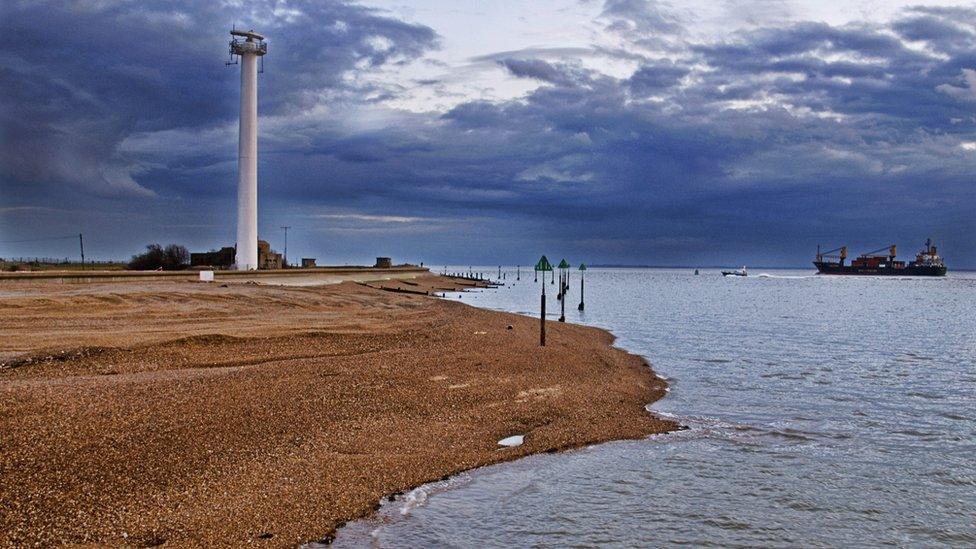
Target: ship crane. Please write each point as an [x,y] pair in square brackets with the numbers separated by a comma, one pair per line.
[840,256]
[892,252]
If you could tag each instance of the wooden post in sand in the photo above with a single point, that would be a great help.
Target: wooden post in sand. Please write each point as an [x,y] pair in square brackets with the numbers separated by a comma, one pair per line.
[518,273]
[562,309]
[563,283]
[566,280]
[543,265]
[542,317]
[559,293]
[582,269]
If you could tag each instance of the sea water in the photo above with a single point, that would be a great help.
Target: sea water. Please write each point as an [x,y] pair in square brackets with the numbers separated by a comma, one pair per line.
[823,411]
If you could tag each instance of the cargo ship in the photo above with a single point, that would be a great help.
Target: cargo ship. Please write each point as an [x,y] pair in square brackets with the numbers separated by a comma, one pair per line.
[927,262]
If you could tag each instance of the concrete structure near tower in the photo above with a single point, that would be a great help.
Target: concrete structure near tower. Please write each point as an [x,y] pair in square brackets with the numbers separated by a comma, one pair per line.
[224,258]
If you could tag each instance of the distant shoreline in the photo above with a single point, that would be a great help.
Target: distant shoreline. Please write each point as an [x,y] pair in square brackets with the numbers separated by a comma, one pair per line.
[615,266]
[812,270]
[219,275]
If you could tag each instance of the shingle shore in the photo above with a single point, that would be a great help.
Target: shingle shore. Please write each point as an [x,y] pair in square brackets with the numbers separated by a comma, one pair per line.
[193,414]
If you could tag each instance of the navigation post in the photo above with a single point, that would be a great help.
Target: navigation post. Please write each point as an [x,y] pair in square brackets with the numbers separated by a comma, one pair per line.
[543,265]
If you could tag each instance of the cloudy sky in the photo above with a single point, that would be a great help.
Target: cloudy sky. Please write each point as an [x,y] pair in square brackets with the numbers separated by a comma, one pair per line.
[618,131]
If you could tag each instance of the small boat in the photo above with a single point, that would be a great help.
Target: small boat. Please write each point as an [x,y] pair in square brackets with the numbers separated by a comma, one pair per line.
[737,272]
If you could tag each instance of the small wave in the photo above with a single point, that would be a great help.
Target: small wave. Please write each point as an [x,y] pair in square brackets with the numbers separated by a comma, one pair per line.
[950,478]
[791,434]
[785,277]
[414,498]
[906,359]
[727,523]
[703,427]
[795,376]
[666,415]
[922,394]
[925,435]
[418,496]
[806,506]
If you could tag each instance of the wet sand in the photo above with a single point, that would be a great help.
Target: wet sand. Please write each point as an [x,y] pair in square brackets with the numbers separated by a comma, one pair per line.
[195,414]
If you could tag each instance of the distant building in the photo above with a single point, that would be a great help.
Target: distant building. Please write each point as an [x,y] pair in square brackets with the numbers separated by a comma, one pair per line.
[268,258]
[308,262]
[383,263]
[224,257]
[218,259]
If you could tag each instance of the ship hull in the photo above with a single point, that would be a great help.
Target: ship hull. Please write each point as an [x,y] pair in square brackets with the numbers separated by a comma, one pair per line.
[909,270]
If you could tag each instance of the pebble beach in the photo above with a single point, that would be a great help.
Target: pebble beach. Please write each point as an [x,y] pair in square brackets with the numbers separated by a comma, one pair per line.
[181,413]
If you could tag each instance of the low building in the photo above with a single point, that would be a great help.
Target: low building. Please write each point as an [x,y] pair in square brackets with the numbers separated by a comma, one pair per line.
[268,258]
[383,263]
[224,258]
[218,259]
[308,262]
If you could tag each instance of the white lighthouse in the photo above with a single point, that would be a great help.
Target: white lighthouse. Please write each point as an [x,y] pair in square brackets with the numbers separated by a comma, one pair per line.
[249,45]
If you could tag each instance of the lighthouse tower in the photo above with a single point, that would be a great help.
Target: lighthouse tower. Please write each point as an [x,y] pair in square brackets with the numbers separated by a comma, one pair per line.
[249,45]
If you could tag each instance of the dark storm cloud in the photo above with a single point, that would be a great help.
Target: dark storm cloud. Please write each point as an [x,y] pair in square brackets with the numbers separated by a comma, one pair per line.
[757,146]
[652,77]
[856,71]
[932,28]
[834,122]
[754,49]
[79,77]
[538,70]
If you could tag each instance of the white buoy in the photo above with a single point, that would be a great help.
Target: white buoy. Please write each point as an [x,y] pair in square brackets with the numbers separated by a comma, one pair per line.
[249,49]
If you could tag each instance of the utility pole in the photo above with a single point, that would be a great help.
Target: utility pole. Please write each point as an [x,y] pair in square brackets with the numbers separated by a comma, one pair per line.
[81,242]
[286,227]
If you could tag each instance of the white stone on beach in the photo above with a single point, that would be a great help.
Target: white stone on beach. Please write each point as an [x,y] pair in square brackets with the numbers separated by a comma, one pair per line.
[511,441]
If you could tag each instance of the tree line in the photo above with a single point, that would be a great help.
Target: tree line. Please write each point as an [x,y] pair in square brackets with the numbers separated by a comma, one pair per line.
[171,258]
